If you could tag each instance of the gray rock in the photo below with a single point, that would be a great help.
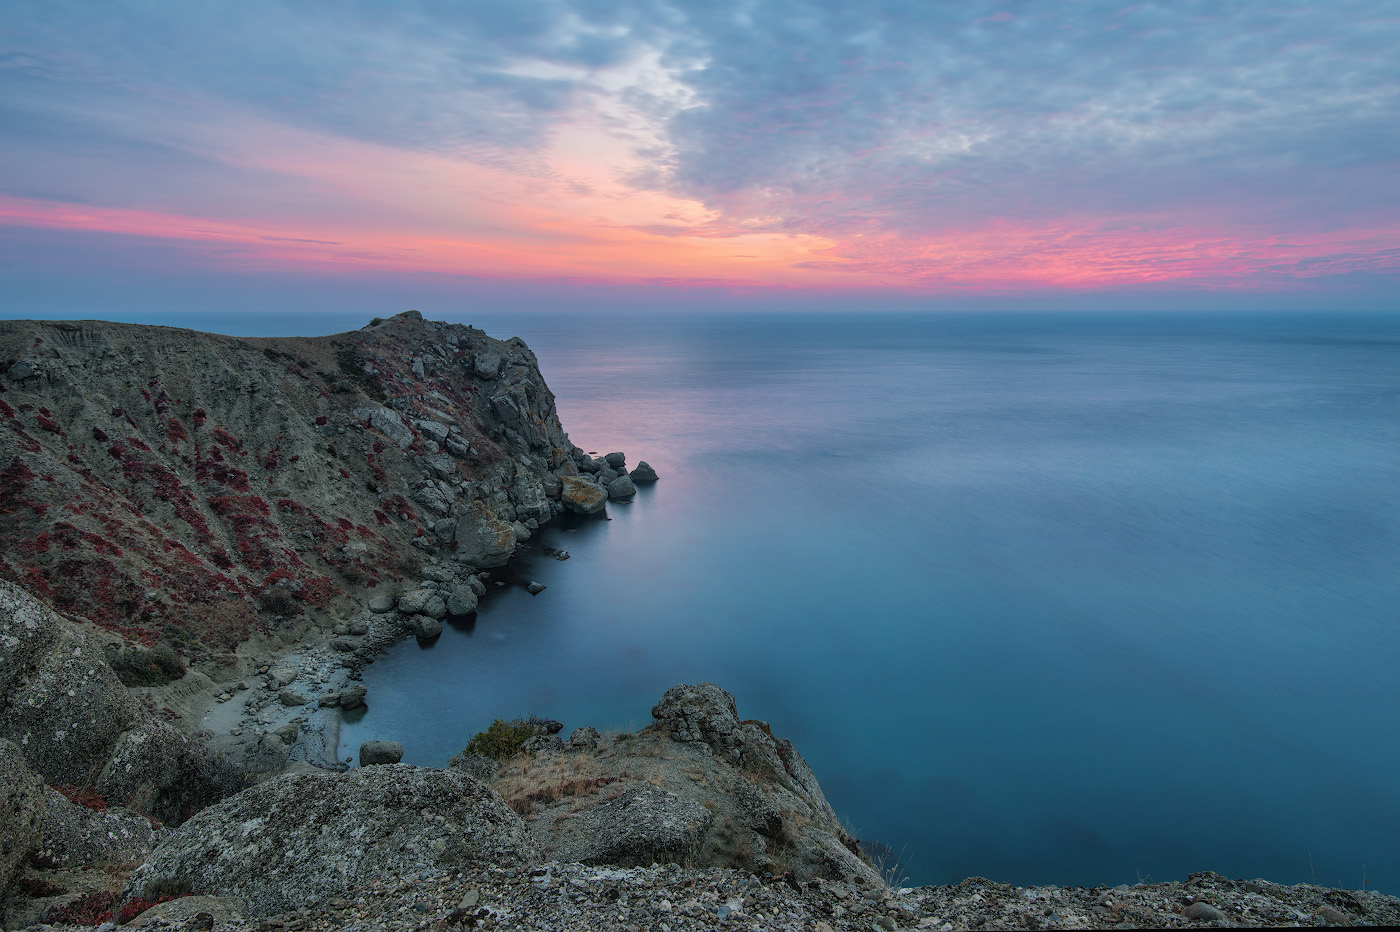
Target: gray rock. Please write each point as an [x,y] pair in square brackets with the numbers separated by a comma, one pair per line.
[458,447]
[20,370]
[380,752]
[381,604]
[476,765]
[291,697]
[1204,912]
[542,744]
[418,601]
[585,737]
[703,714]
[388,423]
[583,497]
[621,487]
[435,430]
[615,460]
[359,627]
[535,588]
[343,645]
[440,465]
[462,600]
[487,365]
[156,770]
[288,733]
[424,626]
[605,475]
[589,465]
[643,473]
[352,696]
[300,839]
[21,812]
[477,585]
[282,675]
[482,538]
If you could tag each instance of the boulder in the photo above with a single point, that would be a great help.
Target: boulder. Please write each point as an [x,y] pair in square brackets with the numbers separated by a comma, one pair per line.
[291,697]
[482,538]
[643,473]
[160,772]
[621,487]
[416,601]
[487,365]
[21,812]
[477,585]
[380,752]
[462,600]
[424,626]
[388,423]
[583,497]
[535,588]
[615,460]
[352,696]
[190,913]
[381,604]
[585,737]
[300,839]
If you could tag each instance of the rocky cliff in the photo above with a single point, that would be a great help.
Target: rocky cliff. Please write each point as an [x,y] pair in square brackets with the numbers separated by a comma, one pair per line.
[168,486]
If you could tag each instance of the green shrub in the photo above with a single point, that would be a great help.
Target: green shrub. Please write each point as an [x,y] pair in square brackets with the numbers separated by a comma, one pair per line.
[502,740]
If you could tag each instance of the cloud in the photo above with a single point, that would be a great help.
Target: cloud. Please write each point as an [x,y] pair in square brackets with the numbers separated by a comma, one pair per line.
[1060,144]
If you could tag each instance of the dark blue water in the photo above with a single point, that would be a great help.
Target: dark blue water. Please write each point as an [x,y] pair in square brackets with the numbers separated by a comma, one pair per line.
[1049,599]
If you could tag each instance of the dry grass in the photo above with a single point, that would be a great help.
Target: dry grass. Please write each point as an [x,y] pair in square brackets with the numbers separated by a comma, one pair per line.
[527,783]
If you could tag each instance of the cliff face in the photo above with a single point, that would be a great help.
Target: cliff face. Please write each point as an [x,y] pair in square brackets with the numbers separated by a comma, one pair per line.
[168,485]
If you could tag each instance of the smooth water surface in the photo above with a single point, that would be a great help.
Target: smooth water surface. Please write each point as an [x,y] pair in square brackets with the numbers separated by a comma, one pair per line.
[1048,599]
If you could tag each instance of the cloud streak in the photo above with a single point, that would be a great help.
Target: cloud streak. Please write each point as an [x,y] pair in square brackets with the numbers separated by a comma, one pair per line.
[925,148]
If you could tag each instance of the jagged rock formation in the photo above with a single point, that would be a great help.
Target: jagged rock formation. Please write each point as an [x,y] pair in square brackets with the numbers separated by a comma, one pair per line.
[169,485]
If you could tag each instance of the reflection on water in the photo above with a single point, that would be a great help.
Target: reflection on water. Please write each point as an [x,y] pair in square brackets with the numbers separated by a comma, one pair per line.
[1045,599]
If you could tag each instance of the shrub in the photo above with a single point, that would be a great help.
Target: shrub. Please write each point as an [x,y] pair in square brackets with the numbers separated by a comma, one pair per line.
[502,740]
[140,667]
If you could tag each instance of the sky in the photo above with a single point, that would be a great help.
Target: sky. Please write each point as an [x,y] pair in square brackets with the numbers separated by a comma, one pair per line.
[583,155]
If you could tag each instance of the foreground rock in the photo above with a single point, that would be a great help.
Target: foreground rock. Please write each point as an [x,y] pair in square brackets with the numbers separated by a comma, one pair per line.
[299,839]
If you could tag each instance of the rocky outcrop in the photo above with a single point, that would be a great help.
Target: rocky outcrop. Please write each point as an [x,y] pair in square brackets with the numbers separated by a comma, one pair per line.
[21,812]
[698,787]
[300,839]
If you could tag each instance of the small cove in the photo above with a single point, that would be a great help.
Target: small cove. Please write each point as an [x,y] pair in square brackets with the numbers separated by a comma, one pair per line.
[1048,599]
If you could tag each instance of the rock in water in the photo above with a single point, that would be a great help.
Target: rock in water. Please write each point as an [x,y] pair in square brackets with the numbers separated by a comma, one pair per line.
[621,487]
[643,473]
[300,839]
[380,752]
[535,588]
[583,497]
[461,601]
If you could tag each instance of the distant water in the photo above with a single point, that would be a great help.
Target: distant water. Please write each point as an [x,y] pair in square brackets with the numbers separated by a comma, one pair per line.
[1048,599]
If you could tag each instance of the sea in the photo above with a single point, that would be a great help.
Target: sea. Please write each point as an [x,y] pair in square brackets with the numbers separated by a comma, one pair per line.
[1045,598]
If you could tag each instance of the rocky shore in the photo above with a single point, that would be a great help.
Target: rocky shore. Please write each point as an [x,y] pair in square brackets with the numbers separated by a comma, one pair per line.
[204,540]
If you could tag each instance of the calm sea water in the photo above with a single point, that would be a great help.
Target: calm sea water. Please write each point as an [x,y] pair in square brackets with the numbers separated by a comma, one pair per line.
[1048,599]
